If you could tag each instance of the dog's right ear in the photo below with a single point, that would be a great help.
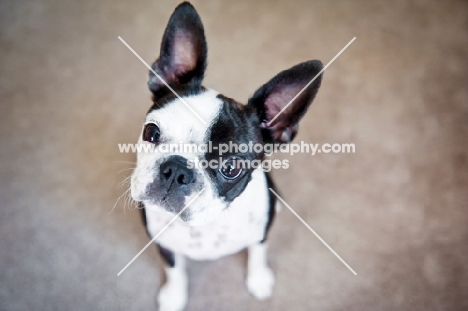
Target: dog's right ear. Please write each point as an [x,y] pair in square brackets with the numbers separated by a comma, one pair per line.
[182,59]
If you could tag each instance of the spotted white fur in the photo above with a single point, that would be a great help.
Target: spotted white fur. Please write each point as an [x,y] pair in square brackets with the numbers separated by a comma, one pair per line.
[240,226]
[237,227]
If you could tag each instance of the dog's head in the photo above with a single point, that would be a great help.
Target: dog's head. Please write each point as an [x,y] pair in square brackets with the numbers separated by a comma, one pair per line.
[166,180]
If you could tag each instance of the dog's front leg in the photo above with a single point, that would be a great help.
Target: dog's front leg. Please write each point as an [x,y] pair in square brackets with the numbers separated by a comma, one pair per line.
[173,295]
[260,278]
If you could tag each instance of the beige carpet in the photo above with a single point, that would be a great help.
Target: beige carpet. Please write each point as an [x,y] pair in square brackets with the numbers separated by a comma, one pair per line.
[396,210]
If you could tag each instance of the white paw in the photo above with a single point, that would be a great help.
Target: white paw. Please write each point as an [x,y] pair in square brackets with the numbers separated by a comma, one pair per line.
[172,298]
[260,283]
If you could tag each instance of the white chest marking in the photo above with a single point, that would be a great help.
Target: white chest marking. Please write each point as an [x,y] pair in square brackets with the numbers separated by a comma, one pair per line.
[240,225]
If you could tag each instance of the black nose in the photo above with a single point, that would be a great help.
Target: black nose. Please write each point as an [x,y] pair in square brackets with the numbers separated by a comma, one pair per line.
[174,172]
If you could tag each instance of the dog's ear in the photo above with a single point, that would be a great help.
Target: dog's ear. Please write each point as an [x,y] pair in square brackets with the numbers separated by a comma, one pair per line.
[273,96]
[182,59]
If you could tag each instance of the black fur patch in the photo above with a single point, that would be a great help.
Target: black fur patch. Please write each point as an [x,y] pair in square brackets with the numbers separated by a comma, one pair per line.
[239,124]
[141,207]
[165,96]
[272,206]
[167,255]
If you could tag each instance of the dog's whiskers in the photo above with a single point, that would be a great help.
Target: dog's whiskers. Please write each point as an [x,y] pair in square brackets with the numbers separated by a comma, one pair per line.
[129,202]
[125,169]
[124,162]
[124,181]
[118,199]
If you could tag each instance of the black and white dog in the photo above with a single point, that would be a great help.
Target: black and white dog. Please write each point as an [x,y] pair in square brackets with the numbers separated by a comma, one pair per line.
[235,208]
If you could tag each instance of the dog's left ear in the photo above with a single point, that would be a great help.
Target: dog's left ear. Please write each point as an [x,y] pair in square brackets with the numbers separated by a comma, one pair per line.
[273,96]
[182,60]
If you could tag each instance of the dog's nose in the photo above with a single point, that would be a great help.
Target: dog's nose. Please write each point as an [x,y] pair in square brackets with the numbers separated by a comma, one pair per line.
[175,171]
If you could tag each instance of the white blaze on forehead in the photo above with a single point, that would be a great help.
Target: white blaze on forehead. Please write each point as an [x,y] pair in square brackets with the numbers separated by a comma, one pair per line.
[178,124]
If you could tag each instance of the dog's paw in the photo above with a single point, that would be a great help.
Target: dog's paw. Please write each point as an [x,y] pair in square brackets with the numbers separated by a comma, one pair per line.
[260,283]
[172,298]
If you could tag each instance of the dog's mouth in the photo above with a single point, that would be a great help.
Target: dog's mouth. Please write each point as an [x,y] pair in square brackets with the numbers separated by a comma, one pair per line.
[164,199]
[166,205]
[169,201]
[193,215]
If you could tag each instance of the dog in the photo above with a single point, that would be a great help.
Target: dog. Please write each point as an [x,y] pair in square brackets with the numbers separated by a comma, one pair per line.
[230,207]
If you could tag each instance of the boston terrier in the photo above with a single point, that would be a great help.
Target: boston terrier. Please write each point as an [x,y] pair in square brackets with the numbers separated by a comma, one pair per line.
[221,210]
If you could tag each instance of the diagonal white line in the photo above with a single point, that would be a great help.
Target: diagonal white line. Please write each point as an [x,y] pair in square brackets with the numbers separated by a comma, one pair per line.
[312,230]
[160,232]
[308,84]
[162,80]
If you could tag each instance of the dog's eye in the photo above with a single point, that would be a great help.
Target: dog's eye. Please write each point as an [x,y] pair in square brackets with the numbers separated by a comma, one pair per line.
[231,169]
[151,133]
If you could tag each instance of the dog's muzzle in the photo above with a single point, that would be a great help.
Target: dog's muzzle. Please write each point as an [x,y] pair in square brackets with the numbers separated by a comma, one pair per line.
[175,182]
